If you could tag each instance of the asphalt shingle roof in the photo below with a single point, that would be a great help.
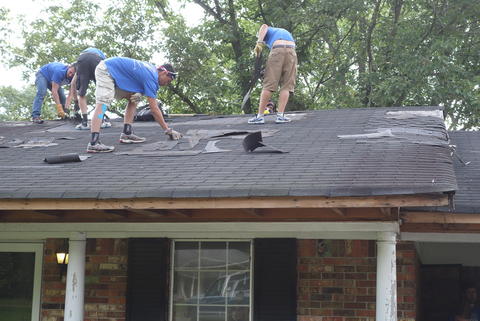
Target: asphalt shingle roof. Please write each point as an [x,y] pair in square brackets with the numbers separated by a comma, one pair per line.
[467,197]
[395,154]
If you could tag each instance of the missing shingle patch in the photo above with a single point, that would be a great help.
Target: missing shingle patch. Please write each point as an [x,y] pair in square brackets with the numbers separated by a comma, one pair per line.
[212,148]
[378,134]
[37,142]
[407,114]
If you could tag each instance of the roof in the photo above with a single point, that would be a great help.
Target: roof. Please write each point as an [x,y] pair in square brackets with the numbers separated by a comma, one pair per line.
[467,171]
[343,152]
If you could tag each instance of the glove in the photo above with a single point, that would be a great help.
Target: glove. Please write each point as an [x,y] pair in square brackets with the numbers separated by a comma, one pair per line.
[258,48]
[174,135]
[60,112]
[136,98]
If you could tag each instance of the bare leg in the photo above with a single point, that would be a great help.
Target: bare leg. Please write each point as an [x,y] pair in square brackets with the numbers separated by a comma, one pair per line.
[130,112]
[82,102]
[97,118]
[264,98]
[283,100]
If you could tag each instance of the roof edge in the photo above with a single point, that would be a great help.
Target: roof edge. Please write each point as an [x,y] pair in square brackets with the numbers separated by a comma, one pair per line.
[437,199]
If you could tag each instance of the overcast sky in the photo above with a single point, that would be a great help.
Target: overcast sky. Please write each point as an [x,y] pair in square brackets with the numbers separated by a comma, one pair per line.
[31,9]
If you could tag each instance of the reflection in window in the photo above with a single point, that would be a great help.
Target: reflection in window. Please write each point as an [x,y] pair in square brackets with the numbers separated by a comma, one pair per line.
[16,285]
[211,281]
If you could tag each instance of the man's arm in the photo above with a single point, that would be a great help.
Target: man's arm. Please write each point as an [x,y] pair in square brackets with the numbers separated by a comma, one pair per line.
[157,114]
[260,40]
[262,32]
[72,93]
[56,97]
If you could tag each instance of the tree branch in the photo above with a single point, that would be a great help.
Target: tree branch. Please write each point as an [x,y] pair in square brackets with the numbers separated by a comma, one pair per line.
[210,10]
[184,98]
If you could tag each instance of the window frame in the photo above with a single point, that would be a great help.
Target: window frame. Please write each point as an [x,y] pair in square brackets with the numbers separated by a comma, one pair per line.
[37,249]
[172,271]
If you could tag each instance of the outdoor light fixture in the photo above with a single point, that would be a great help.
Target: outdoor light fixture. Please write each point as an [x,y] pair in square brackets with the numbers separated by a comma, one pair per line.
[62,258]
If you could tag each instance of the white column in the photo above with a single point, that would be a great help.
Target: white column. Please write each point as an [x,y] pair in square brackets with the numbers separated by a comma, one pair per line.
[74,294]
[386,277]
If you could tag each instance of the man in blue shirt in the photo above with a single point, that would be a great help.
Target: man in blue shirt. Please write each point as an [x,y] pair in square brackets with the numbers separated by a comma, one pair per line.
[280,70]
[86,64]
[126,78]
[52,76]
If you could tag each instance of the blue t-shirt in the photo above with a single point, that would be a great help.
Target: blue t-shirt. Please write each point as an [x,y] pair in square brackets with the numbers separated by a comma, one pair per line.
[56,72]
[134,75]
[274,34]
[95,51]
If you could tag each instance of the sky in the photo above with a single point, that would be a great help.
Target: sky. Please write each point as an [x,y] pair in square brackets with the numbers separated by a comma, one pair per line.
[13,76]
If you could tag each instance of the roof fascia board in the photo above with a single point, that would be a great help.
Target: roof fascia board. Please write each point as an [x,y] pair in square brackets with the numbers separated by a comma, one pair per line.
[441,237]
[241,230]
[439,218]
[414,200]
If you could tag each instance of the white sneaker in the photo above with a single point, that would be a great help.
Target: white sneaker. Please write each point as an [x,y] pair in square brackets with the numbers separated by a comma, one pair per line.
[106,124]
[256,120]
[132,138]
[99,148]
[282,119]
[82,127]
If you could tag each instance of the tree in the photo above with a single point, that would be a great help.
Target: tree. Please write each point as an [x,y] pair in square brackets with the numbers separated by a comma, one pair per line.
[351,53]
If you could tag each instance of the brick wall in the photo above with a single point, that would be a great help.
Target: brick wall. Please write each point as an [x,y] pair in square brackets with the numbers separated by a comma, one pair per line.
[337,280]
[105,281]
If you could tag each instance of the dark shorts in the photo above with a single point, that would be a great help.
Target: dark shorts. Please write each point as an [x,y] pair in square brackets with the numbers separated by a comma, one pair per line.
[86,64]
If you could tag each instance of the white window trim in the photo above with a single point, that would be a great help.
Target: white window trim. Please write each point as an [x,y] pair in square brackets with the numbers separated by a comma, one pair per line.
[36,248]
[172,263]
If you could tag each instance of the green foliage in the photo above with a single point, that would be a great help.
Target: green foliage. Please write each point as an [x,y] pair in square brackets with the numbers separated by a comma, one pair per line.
[351,53]
[16,104]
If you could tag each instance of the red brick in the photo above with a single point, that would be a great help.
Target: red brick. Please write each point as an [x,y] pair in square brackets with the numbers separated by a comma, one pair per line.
[307,248]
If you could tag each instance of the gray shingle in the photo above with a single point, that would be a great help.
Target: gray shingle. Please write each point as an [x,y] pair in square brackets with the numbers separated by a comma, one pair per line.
[319,163]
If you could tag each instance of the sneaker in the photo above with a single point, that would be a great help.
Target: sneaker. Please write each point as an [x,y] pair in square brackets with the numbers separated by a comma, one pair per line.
[106,124]
[99,148]
[82,127]
[37,120]
[282,119]
[132,138]
[256,120]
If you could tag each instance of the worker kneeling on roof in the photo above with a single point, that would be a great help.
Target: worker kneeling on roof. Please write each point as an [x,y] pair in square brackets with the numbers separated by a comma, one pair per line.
[126,78]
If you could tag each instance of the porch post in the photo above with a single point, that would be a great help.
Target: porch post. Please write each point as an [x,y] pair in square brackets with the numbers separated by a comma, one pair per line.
[74,294]
[386,305]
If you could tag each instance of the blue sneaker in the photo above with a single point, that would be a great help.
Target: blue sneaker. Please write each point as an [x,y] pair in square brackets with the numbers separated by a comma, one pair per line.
[282,119]
[256,120]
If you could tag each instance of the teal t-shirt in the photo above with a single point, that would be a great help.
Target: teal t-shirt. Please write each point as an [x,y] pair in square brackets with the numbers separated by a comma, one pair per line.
[133,75]
[274,34]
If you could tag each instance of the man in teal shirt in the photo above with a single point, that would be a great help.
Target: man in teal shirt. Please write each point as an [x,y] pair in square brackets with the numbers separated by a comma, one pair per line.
[280,70]
[52,76]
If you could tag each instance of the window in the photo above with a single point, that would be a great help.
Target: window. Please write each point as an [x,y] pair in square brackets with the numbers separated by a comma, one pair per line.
[20,279]
[211,281]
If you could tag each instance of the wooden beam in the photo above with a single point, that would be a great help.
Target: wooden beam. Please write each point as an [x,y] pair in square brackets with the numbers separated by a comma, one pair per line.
[148,213]
[439,218]
[252,211]
[339,211]
[184,213]
[218,203]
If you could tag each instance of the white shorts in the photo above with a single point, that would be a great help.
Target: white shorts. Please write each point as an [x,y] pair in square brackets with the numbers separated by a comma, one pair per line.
[105,88]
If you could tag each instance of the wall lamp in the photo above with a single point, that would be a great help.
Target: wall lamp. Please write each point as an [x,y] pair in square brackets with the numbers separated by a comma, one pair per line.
[62,258]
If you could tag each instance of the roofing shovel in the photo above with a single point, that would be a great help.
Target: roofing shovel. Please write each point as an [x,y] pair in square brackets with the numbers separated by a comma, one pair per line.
[255,76]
